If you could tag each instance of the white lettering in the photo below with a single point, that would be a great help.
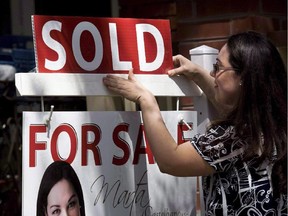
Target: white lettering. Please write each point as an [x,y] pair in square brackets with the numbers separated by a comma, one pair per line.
[117,64]
[154,65]
[54,45]
[95,63]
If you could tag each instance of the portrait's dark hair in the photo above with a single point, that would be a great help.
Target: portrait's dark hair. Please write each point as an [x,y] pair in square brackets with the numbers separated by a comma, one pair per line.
[55,172]
[261,112]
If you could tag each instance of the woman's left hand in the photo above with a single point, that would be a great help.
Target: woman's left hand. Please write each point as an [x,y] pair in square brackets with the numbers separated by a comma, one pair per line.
[129,88]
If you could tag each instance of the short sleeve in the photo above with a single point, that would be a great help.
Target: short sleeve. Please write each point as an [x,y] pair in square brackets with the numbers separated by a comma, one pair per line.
[220,147]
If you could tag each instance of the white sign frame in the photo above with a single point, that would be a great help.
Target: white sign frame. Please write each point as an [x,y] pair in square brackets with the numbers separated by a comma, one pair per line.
[60,84]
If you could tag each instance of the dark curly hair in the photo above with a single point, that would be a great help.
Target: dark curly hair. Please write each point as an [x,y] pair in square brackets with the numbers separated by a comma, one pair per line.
[261,112]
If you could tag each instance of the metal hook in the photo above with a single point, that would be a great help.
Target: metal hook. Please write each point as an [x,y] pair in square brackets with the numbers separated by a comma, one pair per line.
[181,119]
[47,123]
[50,116]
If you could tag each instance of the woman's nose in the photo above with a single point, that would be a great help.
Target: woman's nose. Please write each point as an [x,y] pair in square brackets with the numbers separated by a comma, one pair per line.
[64,213]
[212,73]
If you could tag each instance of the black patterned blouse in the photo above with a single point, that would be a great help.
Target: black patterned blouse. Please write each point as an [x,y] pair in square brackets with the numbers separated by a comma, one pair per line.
[237,188]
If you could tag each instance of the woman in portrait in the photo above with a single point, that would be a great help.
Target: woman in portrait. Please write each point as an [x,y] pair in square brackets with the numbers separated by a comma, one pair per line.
[60,191]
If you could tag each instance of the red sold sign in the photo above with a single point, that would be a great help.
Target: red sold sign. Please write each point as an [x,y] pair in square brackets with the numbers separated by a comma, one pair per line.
[101,45]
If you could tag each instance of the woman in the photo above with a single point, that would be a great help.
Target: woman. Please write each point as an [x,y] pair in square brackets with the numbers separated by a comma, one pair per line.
[60,192]
[243,156]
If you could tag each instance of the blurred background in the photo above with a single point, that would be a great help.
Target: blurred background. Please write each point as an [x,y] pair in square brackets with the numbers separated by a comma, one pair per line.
[193,23]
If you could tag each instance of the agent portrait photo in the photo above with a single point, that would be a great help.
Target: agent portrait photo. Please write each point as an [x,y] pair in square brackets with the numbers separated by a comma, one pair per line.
[60,192]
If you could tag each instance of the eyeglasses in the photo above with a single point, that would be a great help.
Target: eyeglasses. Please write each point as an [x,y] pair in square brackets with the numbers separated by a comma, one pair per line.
[217,69]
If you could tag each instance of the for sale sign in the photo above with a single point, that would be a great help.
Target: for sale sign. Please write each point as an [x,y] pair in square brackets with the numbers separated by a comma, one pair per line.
[101,45]
[108,165]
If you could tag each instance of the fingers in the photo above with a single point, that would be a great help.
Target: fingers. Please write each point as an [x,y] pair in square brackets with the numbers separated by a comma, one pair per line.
[112,82]
[171,72]
[128,88]
[176,58]
[131,75]
[115,84]
[109,80]
[118,84]
[175,71]
[177,64]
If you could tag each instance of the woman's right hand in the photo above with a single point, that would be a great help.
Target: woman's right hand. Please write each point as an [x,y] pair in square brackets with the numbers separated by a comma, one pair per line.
[198,74]
[183,66]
